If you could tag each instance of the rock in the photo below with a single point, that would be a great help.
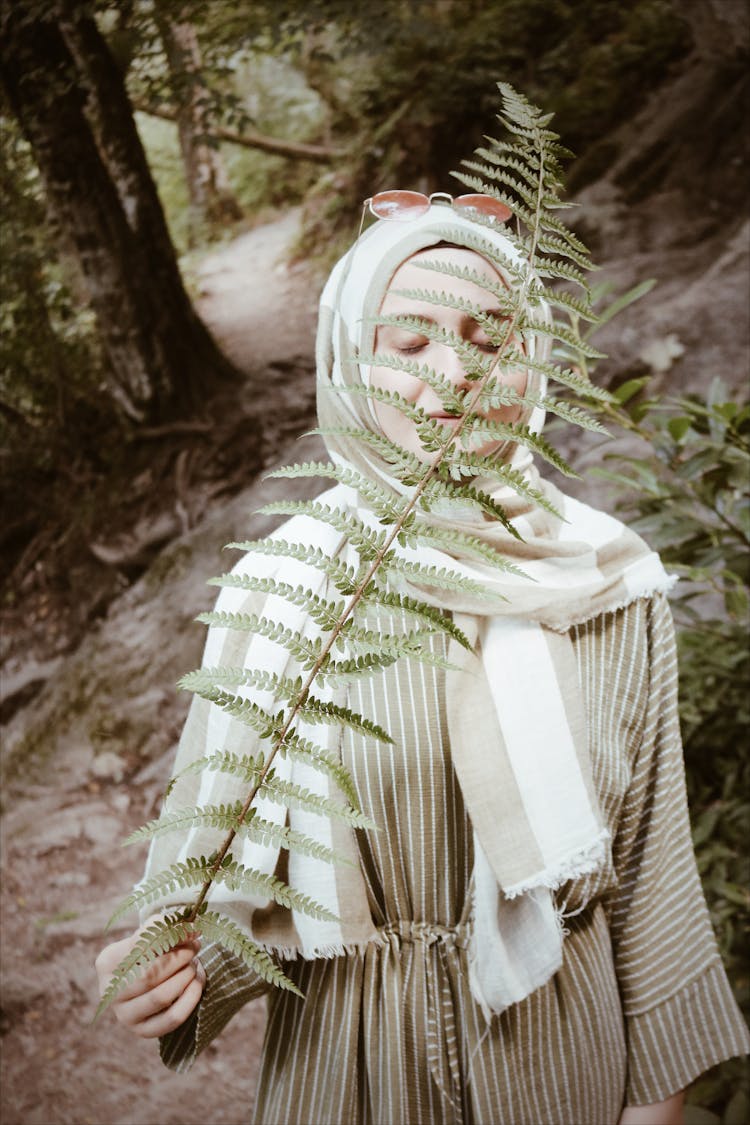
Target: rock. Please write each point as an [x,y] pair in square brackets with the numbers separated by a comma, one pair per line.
[660,354]
[108,765]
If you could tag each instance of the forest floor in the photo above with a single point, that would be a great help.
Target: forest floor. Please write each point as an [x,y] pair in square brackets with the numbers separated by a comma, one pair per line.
[63,867]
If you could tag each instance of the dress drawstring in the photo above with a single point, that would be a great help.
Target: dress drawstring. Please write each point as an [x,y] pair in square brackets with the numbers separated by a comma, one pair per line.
[436,947]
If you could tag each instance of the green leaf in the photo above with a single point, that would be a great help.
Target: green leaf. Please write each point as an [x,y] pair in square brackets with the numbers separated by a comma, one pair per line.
[630,389]
[679,428]
[625,299]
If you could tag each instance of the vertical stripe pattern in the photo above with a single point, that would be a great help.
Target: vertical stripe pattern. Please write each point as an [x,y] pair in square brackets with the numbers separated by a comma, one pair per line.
[392,1035]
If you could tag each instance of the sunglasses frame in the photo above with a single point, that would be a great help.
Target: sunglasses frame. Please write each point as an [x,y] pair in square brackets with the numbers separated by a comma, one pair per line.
[416,203]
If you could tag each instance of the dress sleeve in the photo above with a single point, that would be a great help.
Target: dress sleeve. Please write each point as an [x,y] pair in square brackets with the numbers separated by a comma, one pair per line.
[230,984]
[680,1015]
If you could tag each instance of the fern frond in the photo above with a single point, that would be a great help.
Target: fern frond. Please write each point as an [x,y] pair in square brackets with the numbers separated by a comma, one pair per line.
[279,835]
[430,615]
[304,649]
[378,613]
[438,490]
[379,498]
[434,577]
[222,817]
[301,749]
[294,796]
[474,359]
[510,431]
[344,577]
[247,768]
[561,271]
[407,645]
[192,873]
[161,936]
[218,928]
[360,536]
[567,376]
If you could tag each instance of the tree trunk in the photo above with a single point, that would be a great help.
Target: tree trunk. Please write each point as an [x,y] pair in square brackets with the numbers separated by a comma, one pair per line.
[70,101]
[211,198]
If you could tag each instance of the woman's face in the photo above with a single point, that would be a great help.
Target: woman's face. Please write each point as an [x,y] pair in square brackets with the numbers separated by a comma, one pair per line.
[406,344]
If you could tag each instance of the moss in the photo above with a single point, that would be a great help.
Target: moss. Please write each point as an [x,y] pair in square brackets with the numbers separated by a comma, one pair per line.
[172,563]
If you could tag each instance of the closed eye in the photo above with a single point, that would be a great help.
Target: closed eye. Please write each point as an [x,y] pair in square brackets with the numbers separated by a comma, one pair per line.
[400,340]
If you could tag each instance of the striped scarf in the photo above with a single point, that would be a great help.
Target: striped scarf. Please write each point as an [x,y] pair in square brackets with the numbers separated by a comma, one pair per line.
[515,715]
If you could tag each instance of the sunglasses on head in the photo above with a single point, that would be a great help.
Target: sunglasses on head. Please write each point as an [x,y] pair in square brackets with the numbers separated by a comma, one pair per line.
[402,206]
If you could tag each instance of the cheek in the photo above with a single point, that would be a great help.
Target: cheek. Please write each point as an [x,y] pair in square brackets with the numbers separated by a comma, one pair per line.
[398,382]
[517,380]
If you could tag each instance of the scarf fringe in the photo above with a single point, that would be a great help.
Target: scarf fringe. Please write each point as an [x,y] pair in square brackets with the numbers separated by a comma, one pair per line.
[661,586]
[583,861]
[321,952]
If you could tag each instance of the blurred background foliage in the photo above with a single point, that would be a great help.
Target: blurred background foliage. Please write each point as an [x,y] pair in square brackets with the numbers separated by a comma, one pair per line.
[250,106]
[688,493]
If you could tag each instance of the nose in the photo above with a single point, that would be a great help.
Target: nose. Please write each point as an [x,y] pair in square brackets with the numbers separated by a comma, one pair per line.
[452,367]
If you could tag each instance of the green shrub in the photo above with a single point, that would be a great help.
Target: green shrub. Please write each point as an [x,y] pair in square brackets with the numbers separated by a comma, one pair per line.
[689,495]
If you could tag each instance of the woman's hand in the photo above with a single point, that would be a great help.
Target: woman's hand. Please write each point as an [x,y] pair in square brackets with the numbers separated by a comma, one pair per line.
[669,1112]
[165,994]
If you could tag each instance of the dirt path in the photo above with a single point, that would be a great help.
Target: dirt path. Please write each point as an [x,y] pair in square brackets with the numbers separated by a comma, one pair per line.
[87,762]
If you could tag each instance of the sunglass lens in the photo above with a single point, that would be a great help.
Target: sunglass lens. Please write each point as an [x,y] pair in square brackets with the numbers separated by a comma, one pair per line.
[399,205]
[484,205]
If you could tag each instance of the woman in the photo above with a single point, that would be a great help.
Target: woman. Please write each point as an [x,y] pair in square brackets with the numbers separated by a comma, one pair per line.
[528,941]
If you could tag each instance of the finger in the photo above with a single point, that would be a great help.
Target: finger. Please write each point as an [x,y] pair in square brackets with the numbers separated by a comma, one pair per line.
[111,956]
[165,966]
[174,1016]
[134,1010]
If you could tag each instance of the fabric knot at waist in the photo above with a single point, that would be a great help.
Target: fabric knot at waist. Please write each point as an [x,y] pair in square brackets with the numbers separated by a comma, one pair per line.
[427,933]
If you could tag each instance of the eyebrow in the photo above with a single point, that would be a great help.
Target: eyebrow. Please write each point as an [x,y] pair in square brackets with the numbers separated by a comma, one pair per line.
[496,314]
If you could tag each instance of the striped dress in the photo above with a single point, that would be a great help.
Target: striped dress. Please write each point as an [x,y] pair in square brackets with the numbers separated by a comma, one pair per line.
[392,1035]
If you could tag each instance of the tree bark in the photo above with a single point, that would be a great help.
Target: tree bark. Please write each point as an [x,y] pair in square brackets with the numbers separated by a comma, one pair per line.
[211,198]
[71,104]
